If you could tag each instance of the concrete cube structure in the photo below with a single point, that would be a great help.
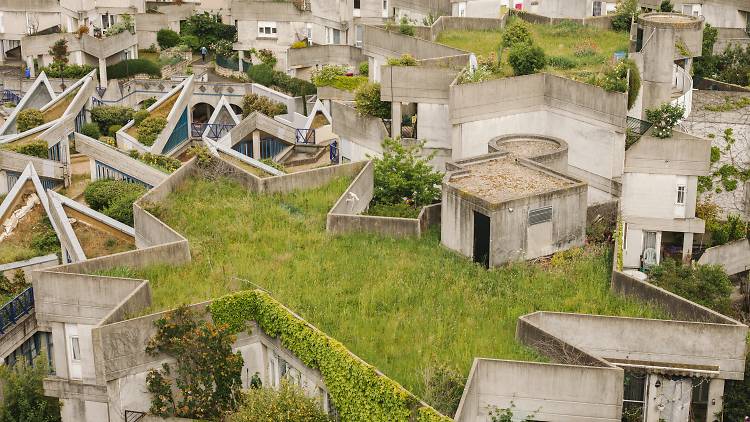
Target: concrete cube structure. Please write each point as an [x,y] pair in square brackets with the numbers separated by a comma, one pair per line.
[498,208]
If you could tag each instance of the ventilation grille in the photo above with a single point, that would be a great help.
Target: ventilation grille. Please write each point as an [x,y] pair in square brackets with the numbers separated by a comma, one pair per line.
[540,215]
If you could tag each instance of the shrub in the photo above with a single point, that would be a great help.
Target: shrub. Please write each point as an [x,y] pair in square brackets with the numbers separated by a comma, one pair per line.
[262,74]
[274,164]
[112,130]
[254,102]
[517,32]
[364,68]
[130,67]
[443,387]
[526,59]
[14,285]
[404,60]
[167,38]
[71,71]
[327,74]
[299,44]
[406,28]
[162,162]
[206,28]
[35,148]
[561,62]
[266,57]
[139,116]
[625,12]
[708,285]
[107,116]
[191,41]
[29,119]
[402,176]
[109,140]
[402,210]
[23,394]
[205,379]
[367,101]
[666,6]
[664,118]
[148,102]
[737,397]
[150,128]
[114,198]
[91,130]
[288,404]
[733,228]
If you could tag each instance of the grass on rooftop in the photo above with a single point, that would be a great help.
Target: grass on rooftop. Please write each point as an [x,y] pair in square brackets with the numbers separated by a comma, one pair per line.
[588,47]
[27,239]
[397,303]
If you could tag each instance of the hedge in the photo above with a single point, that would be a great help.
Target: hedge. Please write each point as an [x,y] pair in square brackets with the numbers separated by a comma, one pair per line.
[71,71]
[127,68]
[36,148]
[29,119]
[265,75]
[166,38]
[114,198]
[357,390]
[107,116]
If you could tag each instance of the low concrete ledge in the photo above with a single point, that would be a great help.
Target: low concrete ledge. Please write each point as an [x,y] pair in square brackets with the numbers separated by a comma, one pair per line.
[118,160]
[77,390]
[14,161]
[733,256]
[324,54]
[345,215]
[331,93]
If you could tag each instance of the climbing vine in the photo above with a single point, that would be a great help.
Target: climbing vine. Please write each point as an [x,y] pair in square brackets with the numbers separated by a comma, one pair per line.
[357,390]
[725,174]
[206,372]
[619,240]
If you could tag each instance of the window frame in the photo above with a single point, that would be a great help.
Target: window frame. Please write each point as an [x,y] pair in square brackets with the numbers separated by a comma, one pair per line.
[270,26]
[681,194]
[75,349]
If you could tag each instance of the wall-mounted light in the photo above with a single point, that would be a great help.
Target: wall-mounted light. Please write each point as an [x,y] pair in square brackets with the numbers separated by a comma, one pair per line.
[657,384]
[510,209]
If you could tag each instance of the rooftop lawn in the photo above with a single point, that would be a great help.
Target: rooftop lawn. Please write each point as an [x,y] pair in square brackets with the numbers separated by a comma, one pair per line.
[395,303]
[588,47]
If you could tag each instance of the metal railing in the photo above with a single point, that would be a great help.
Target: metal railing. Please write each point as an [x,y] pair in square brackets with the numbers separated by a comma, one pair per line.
[19,306]
[10,96]
[215,130]
[305,136]
[134,416]
[636,129]
[334,152]
[96,102]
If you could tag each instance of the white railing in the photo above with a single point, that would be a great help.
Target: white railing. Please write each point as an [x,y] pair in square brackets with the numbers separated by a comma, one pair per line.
[683,82]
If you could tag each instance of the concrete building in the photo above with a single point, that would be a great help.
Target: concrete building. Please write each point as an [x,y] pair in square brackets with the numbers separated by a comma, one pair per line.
[663,45]
[659,193]
[577,9]
[502,207]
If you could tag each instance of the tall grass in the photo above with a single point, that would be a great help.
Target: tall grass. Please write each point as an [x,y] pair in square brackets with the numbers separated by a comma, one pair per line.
[396,303]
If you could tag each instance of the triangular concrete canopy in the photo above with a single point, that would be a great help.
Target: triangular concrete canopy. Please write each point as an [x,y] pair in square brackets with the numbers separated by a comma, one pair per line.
[217,147]
[223,114]
[39,94]
[318,107]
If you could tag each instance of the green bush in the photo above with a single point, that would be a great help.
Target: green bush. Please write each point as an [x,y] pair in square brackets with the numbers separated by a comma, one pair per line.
[526,59]
[130,67]
[91,130]
[207,28]
[364,68]
[401,210]
[406,28]
[708,285]
[293,86]
[191,41]
[150,128]
[68,71]
[35,148]
[23,394]
[261,74]
[327,74]
[29,119]
[403,176]
[404,60]
[367,101]
[664,118]
[114,198]
[112,130]
[148,102]
[167,38]
[266,57]
[107,116]
[139,116]
[359,392]
[561,62]
[517,32]
[666,6]
[625,11]
[162,162]
[254,102]
[289,404]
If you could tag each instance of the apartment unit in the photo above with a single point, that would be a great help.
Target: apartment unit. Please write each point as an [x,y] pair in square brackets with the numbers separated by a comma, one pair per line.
[570,8]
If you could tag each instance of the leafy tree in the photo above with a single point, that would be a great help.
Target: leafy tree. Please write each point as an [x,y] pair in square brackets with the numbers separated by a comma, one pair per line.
[706,65]
[208,29]
[288,404]
[254,102]
[59,52]
[29,119]
[206,372]
[666,6]
[403,176]
[23,395]
[737,396]
[526,59]
[367,101]
[166,38]
[107,116]
[91,130]
[625,12]
[708,285]
[517,32]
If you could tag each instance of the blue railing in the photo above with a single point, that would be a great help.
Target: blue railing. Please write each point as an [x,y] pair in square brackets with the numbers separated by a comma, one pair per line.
[19,306]
[97,102]
[334,152]
[305,136]
[215,130]
[10,96]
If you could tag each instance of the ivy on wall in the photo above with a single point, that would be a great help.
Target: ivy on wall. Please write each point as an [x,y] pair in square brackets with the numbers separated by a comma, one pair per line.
[357,390]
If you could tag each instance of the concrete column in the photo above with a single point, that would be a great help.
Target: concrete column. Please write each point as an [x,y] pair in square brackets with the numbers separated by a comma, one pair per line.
[241,58]
[134,53]
[2,51]
[715,398]
[687,247]
[395,119]
[103,72]
[256,145]
[30,65]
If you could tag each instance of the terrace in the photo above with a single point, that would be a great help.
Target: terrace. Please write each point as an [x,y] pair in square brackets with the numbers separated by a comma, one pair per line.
[379,299]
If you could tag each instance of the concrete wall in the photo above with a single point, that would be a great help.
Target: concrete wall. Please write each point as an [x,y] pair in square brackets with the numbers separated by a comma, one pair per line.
[361,135]
[542,391]
[733,256]
[416,84]
[384,44]
[566,11]
[681,154]
[114,158]
[325,54]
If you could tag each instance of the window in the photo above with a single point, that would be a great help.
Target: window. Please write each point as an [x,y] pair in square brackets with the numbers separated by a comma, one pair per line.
[597,8]
[540,215]
[699,400]
[108,20]
[691,9]
[333,36]
[462,9]
[356,4]
[75,349]
[634,396]
[681,195]
[624,237]
[267,29]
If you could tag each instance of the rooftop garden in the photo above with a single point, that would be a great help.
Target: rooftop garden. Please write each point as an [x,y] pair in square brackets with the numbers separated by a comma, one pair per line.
[378,300]
[338,77]
[33,236]
[97,241]
[569,49]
